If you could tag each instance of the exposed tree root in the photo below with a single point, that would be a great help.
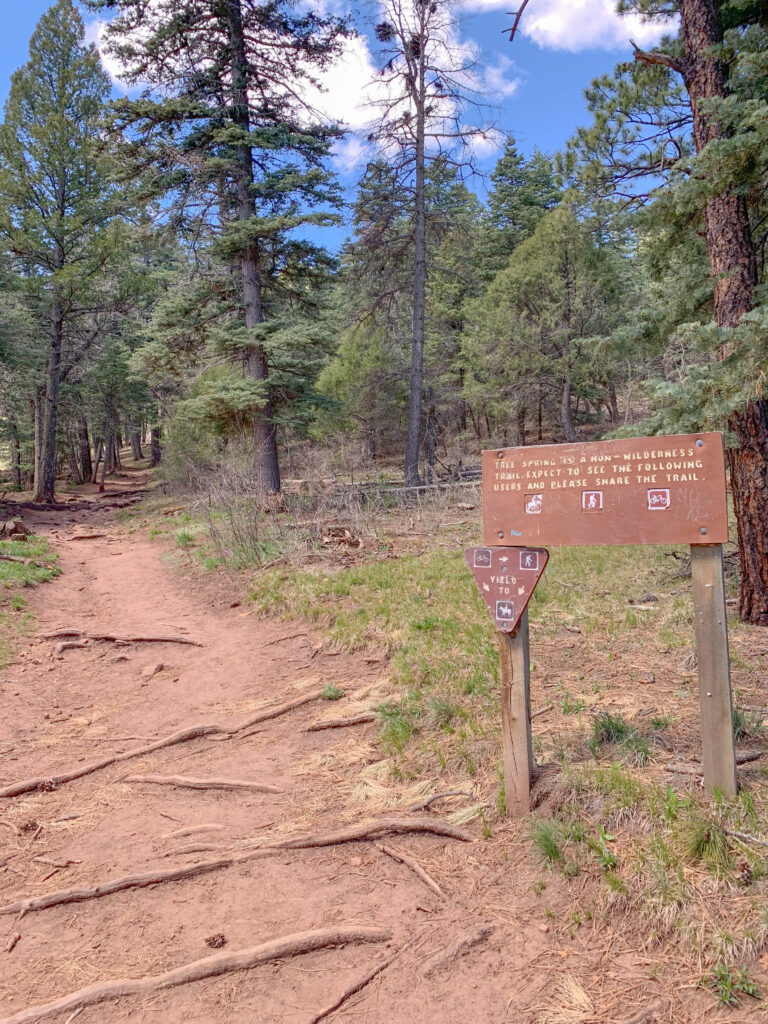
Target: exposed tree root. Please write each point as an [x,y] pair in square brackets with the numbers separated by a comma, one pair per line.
[355,987]
[376,830]
[454,951]
[413,865]
[648,1013]
[197,970]
[23,561]
[355,833]
[187,782]
[341,723]
[51,782]
[112,638]
[86,536]
[269,713]
[189,830]
[423,805]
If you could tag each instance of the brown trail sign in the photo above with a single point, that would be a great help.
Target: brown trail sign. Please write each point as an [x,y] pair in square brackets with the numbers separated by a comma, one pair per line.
[643,490]
[506,579]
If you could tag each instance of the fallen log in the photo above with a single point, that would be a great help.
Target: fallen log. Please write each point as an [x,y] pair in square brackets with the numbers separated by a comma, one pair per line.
[355,833]
[409,862]
[197,970]
[342,723]
[188,782]
[113,638]
[52,782]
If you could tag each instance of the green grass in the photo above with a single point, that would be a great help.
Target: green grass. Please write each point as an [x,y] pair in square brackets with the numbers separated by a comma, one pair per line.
[14,578]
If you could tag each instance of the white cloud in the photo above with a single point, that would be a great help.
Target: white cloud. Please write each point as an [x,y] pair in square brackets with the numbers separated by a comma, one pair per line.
[579,24]
[499,80]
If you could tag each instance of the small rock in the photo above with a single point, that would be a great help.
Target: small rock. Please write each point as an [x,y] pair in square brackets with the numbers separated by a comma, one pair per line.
[543,927]
[646,598]
[355,861]
[151,670]
[235,604]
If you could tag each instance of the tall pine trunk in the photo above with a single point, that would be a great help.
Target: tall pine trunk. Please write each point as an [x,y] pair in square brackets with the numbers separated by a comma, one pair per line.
[37,425]
[411,467]
[255,364]
[15,453]
[733,267]
[138,454]
[155,447]
[86,465]
[46,482]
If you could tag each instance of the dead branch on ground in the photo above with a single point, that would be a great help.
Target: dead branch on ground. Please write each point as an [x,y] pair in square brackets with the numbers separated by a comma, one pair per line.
[197,970]
[413,865]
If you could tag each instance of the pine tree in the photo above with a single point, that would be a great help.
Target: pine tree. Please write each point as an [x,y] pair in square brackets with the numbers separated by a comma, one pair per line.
[227,136]
[424,77]
[56,200]
[704,136]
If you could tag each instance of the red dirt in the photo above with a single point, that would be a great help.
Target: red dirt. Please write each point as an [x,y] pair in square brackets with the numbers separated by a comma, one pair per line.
[92,701]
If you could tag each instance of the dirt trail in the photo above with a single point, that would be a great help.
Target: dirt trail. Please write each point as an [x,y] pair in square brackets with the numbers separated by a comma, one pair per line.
[86,703]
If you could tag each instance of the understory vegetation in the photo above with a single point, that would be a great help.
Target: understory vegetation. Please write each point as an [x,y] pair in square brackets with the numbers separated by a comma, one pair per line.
[37,564]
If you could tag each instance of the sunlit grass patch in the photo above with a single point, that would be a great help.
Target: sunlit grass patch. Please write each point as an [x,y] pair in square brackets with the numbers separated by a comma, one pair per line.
[14,578]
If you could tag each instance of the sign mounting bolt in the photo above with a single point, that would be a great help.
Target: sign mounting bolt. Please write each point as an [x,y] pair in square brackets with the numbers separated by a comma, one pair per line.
[699,443]
[500,534]
[500,455]
[703,530]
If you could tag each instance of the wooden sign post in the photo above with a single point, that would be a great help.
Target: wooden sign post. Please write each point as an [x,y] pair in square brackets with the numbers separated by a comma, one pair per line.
[515,699]
[646,490]
[506,578]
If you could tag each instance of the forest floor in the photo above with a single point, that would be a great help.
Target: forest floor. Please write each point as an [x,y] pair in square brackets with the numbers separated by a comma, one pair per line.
[544,932]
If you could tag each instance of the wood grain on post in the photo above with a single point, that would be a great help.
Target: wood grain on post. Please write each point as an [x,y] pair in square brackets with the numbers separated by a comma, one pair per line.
[718,753]
[514,676]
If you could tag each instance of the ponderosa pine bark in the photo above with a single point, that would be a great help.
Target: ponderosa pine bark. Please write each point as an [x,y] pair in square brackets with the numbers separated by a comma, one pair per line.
[155,447]
[46,481]
[733,269]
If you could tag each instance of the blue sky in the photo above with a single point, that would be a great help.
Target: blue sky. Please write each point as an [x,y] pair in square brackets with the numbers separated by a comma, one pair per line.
[537,82]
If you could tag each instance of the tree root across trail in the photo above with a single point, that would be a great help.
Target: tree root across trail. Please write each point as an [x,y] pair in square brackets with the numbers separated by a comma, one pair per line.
[81,634]
[197,970]
[187,782]
[51,782]
[354,833]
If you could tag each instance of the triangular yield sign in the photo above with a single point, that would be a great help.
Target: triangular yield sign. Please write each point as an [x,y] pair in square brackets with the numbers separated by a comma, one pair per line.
[506,579]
